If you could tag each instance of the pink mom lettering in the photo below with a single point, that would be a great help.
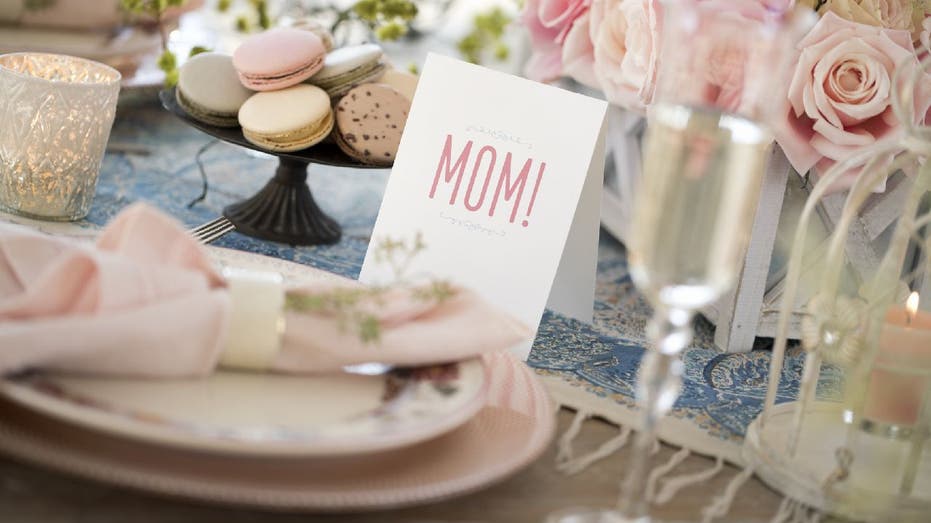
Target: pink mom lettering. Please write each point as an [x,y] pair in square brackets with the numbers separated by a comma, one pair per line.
[492,183]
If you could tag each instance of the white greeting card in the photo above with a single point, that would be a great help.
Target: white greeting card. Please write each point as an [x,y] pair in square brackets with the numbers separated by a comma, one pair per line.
[502,177]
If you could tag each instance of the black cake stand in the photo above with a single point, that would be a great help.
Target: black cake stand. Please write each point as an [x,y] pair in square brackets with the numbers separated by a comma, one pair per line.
[284,210]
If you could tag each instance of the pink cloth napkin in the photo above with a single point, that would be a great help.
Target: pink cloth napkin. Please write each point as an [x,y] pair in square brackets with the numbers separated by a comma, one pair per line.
[146,301]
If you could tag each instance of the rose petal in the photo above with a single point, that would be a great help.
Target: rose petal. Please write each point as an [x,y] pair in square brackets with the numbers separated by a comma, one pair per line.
[794,136]
[560,14]
[597,13]
[578,53]
[843,183]
[544,65]
[855,136]
[540,36]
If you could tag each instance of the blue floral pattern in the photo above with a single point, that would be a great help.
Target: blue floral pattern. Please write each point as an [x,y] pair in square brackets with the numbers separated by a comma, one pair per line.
[722,392]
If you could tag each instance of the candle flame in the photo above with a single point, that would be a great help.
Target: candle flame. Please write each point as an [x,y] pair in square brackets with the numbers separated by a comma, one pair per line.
[911,306]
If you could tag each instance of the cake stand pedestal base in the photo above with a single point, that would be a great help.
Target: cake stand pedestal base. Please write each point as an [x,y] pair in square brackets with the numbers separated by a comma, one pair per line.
[285,210]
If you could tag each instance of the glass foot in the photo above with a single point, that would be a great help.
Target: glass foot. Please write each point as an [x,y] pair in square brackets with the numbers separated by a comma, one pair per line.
[592,515]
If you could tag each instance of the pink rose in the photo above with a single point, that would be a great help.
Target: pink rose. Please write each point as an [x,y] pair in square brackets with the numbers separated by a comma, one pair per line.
[840,94]
[728,70]
[578,53]
[549,23]
[895,14]
[625,35]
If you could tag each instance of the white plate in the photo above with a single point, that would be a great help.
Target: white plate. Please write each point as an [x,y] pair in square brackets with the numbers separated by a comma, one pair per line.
[266,414]
[511,431]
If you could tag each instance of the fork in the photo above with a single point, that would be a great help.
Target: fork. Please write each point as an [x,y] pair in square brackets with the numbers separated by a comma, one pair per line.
[212,230]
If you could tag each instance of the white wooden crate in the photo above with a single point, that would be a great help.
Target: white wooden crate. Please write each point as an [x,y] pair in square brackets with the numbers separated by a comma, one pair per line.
[751,309]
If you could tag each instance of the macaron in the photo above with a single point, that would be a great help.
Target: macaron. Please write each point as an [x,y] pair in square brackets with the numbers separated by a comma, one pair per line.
[369,122]
[209,90]
[349,66]
[402,81]
[287,120]
[315,27]
[278,58]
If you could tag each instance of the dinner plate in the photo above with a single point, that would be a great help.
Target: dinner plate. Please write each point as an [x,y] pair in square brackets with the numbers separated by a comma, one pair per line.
[265,413]
[513,428]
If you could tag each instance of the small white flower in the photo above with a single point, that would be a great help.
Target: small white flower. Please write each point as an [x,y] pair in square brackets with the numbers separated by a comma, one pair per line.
[832,328]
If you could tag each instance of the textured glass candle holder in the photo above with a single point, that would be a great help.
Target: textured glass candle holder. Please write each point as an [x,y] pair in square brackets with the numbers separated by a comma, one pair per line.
[55,117]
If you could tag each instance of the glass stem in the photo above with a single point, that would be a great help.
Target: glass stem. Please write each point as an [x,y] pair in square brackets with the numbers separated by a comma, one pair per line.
[670,331]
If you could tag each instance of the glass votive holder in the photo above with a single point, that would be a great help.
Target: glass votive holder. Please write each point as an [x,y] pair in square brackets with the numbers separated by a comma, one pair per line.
[56,112]
[899,388]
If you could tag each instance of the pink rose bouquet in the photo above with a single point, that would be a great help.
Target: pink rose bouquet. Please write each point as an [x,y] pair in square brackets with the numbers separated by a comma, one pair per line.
[605,44]
[839,99]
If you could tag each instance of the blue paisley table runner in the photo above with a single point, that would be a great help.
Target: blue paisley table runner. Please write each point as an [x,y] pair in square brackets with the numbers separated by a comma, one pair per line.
[593,367]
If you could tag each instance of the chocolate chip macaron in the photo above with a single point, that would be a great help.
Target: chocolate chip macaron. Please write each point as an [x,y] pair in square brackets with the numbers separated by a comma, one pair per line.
[209,90]
[370,119]
[288,120]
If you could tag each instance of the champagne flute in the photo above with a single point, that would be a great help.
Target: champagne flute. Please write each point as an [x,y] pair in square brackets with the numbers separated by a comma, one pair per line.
[704,155]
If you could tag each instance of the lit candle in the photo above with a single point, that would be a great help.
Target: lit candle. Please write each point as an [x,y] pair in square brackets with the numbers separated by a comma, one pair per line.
[902,369]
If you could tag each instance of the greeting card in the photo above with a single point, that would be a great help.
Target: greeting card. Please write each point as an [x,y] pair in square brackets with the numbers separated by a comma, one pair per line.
[502,178]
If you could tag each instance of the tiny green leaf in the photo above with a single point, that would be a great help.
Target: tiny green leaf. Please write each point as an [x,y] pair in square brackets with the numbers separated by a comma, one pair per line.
[167,61]
[391,31]
[367,10]
[242,24]
[369,329]
[198,49]
[171,78]
[502,51]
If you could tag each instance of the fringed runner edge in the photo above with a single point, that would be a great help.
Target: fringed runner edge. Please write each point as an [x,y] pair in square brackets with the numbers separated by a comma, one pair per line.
[674,432]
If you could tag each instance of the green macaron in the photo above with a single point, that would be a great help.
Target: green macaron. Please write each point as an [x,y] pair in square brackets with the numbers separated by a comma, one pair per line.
[346,67]
[209,90]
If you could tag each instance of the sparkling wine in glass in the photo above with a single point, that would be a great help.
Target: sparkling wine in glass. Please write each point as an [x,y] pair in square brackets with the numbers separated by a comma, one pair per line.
[705,153]
[696,202]
[701,181]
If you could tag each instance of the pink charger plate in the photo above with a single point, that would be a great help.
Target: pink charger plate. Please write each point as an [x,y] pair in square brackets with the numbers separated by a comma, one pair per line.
[508,433]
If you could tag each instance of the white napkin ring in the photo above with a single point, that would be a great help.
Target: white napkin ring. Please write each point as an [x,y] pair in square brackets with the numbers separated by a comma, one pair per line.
[257,319]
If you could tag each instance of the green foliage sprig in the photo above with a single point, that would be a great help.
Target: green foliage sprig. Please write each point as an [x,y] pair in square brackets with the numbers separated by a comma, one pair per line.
[346,305]
[353,307]
[487,33]
[387,19]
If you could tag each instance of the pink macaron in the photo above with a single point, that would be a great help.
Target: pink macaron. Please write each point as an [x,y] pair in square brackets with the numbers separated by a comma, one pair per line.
[278,58]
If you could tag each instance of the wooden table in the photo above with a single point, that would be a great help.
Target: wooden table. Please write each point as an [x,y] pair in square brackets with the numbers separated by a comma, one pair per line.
[32,495]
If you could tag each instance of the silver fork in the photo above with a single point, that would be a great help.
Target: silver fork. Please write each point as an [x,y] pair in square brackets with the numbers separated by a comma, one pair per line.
[212,230]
